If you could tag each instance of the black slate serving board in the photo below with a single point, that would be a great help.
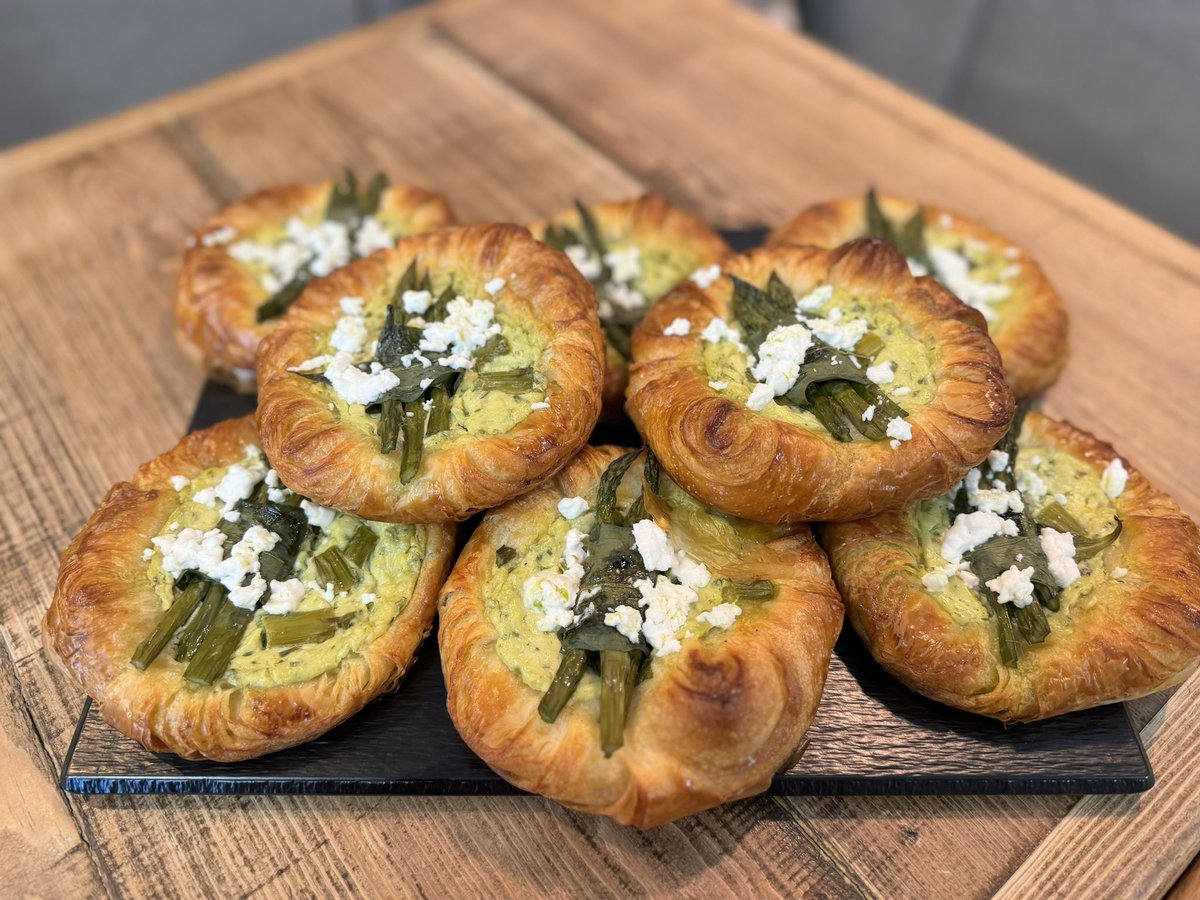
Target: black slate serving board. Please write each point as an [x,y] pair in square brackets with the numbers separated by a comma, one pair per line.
[871,734]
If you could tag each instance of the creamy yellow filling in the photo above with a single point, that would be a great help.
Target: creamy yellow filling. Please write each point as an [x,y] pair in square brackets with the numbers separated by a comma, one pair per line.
[391,575]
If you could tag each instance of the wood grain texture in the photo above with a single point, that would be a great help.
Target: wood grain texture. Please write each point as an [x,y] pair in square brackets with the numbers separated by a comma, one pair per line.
[512,108]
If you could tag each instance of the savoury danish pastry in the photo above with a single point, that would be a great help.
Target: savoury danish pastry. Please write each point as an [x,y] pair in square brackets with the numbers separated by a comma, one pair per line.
[433,380]
[1053,578]
[633,252]
[211,612]
[249,263]
[1026,318]
[809,384]
[610,643]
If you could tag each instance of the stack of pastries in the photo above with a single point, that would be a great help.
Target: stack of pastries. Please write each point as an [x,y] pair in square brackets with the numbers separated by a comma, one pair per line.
[638,632]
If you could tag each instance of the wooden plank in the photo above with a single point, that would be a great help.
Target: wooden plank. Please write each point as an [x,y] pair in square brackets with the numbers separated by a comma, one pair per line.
[749,125]
[1128,846]
[97,241]
[1188,886]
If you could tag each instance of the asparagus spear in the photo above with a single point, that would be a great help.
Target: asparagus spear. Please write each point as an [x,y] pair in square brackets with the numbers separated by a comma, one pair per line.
[1031,623]
[413,424]
[308,627]
[212,656]
[829,413]
[570,670]
[749,591]
[439,411]
[177,614]
[1004,631]
[496,346]
[201,623]
[618,674]
[335,569]
[368,204]
[279,302]
[511,381]
[361,545]
[388,428]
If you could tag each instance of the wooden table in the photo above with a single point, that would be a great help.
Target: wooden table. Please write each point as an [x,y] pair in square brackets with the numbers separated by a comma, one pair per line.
[512,109]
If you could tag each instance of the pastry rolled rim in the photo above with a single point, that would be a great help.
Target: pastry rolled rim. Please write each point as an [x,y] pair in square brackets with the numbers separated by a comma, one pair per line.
[216,298]
[338,463]
[1032,339]
[772,471]
[694,737]
[1144,635]
[648,221]
[104,605]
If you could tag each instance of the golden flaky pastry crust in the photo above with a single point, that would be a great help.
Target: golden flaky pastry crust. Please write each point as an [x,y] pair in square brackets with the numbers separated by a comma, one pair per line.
[1031,332]
[105,605]
[216,298]
[658,229]
[1137,635]
[337,462]
[715,721]
[771,471]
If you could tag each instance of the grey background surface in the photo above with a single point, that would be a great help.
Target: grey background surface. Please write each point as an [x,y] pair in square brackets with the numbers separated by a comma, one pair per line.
[1105,90]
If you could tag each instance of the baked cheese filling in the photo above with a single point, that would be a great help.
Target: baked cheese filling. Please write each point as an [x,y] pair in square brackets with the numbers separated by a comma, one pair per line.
[979,274]
[282,257]
[587,596]
[430,361]
[261,587]
[627,276]
[821,358]
[1022,541]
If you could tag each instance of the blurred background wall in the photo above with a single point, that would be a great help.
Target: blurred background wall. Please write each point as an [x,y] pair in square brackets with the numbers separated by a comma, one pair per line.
[1106,90]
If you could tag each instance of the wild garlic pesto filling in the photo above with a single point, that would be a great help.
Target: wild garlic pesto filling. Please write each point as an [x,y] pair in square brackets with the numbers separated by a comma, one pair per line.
[538,587]
[1048,488]
[901,367]
[199,545]
[429,361]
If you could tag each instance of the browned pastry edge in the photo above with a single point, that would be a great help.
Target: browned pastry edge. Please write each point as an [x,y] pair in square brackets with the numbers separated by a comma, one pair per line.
[760,468]
[1031,335]
[1141,634]
[715,721]
[337,462]
[104,606]
[650,222]
[216,298]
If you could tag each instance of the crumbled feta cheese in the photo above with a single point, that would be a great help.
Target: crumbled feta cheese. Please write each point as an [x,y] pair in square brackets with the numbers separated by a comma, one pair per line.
[678,327]
[884,373]
[718,385]
[1012,252]
[351,306]
[574,552]
[178,482]
[1113,479]
[231,515]
[624,263]
[416,302]
[1059,547]
[902,391]
[206,497]
[626,620]
[495,286]
[780,357]
[689,571]
[541,404]
[246,596]
[1014,586]
[869,413]
[1030,484]
[945,220]
[707,276]
[312,365]
[997,500]
[1060,499]
[467,326]
[814,299]
[148,554]
[916,268]
[622,295]
[581,258]
[954,270]
[191,549]
[971,530]
[722,615]
[218,236]
[368,599]
[239,481]
[371,236]
[285,596]
[759,397]
[552,596]
[935,581]
[997,460]
[839,333]
[572,508]
[667,606]
[718,330]
[658,555]
[320,516]
[899,430]
[321,247]
[1118,572]
[349,334]
[356,386]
